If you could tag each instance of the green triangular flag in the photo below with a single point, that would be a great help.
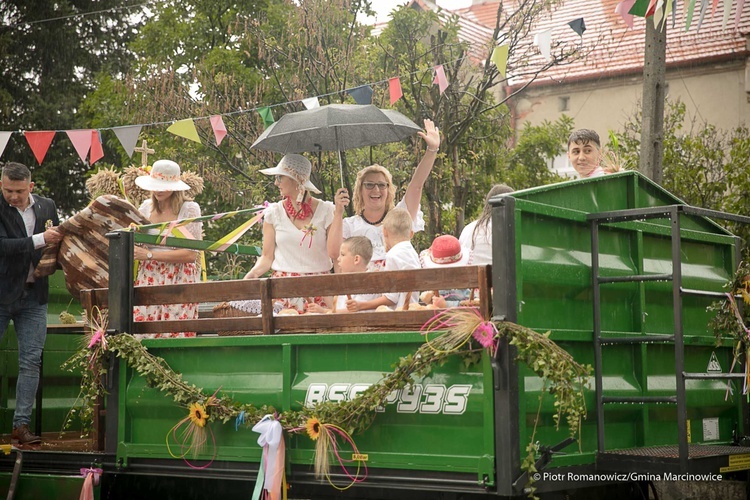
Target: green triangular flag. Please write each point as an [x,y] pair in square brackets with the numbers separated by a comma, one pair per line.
[267,115]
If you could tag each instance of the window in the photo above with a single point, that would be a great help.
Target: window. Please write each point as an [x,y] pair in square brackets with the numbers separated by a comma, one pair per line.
[563,103]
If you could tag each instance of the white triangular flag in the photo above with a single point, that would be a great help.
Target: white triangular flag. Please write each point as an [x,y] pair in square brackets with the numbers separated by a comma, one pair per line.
[4,138]
[311,102]
[543,40]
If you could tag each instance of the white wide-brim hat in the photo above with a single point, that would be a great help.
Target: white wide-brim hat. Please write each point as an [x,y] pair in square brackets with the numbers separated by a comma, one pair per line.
[445,250]
[296,167]
[164,176]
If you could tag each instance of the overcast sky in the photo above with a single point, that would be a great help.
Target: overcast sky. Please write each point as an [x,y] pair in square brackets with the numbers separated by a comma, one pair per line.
[384,7]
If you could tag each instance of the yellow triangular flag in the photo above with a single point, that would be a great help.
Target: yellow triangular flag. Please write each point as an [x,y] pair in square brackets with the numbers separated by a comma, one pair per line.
[500,58]
[185,128]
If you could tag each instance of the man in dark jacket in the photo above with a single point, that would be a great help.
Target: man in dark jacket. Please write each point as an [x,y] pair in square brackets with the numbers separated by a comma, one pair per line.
[26,225]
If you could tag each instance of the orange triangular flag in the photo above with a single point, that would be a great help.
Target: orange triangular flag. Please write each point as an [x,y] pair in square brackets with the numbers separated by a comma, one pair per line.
[97,153]
[81,140]
[39,142]
[394,85]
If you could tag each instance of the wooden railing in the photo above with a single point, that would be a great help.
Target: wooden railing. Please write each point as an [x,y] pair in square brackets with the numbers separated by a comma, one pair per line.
[267,290]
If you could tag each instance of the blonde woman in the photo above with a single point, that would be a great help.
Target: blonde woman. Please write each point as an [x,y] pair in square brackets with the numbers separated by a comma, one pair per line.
[161,265]
[374,195]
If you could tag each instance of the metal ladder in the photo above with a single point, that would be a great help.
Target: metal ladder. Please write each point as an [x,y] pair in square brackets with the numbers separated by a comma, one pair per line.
[672,212]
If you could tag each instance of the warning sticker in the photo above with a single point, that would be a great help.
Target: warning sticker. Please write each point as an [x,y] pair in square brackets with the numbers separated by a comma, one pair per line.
[737,462]
[710,429]
[713,364]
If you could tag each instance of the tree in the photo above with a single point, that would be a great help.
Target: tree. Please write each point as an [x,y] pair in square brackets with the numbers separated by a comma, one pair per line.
[51,52]
[471,112]
[704,166]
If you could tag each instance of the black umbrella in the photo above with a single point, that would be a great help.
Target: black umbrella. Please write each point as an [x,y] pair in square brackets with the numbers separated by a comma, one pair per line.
[335,127]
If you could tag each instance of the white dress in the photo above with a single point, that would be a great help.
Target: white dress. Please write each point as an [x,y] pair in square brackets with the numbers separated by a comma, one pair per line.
[481,246]
[155,272]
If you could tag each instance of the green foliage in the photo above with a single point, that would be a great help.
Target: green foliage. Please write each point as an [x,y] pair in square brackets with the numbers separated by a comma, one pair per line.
[48,69]
[704,166]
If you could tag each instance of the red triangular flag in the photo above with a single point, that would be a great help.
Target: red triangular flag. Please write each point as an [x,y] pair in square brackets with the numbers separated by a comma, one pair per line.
[651,8]
[39,143]
[81,140]
[220,130]
[97,153]
[394,85]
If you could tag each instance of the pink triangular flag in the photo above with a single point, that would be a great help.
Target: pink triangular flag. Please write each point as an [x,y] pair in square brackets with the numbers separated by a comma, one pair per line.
[440,78]
[623,8]
[394,85]
[97,153]
[39,142]
[81,140]
[4,138]
[220,131]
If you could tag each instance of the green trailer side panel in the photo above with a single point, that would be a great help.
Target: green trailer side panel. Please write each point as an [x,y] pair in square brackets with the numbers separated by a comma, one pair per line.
[417,429]
[38,486]
[554,293]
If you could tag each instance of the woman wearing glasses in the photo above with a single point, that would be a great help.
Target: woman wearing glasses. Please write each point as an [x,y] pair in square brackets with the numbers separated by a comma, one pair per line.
[374,195]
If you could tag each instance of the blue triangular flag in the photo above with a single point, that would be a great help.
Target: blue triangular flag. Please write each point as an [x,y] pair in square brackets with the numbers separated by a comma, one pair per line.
[362,95]
[578,26]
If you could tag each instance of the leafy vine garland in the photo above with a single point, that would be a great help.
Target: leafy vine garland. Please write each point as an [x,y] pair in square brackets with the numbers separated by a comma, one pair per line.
[729,321]
[461,332]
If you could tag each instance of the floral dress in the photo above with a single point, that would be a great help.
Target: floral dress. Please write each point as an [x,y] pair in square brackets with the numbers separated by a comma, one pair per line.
[155,272]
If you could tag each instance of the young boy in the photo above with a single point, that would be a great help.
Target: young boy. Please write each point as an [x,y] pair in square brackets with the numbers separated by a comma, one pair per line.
[354,256]
[400,255]
[445,250]
[584,153]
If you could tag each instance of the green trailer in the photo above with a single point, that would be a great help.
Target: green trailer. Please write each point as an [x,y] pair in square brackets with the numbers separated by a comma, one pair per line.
[619,272]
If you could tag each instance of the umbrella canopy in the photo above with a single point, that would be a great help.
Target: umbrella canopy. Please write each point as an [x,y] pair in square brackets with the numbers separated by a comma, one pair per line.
[335,127]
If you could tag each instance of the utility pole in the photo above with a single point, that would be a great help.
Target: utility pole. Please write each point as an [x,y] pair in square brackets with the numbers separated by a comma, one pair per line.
[654,94]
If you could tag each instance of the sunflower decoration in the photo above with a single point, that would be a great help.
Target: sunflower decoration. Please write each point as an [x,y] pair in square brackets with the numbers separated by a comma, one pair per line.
[198,415]
[326,438]
[313,428]
[192,431]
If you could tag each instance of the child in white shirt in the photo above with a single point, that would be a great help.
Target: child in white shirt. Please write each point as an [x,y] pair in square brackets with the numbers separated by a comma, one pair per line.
[397,234]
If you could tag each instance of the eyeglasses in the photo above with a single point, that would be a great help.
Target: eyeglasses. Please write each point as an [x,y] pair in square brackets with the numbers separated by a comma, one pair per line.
[382,186]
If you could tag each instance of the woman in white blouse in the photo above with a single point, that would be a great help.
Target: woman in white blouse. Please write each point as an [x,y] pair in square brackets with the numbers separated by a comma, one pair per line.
[295,228]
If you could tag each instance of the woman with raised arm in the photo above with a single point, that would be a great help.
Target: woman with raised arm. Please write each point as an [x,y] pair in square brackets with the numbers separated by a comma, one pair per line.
[374,195]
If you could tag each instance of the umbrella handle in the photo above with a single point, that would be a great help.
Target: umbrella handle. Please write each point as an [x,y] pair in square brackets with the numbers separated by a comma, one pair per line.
[341,169]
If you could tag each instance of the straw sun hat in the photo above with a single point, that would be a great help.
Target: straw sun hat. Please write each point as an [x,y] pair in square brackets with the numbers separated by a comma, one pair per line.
[295,166]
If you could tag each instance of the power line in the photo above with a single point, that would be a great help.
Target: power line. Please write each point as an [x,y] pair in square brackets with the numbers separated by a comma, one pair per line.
[80,14]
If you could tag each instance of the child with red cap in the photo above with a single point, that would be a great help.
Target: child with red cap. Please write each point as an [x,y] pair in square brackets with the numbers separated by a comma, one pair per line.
[445,250]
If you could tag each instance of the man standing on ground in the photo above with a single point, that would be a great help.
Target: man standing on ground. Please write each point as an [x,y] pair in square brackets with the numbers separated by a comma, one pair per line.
[26,225]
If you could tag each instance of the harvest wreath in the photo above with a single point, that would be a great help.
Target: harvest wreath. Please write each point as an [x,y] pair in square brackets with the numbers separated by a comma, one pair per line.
[457,331]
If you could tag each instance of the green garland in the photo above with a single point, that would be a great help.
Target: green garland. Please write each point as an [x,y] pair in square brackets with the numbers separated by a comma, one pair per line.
[563,378]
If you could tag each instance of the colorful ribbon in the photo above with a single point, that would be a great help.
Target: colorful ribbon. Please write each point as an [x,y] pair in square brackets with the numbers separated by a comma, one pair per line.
[271,475]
